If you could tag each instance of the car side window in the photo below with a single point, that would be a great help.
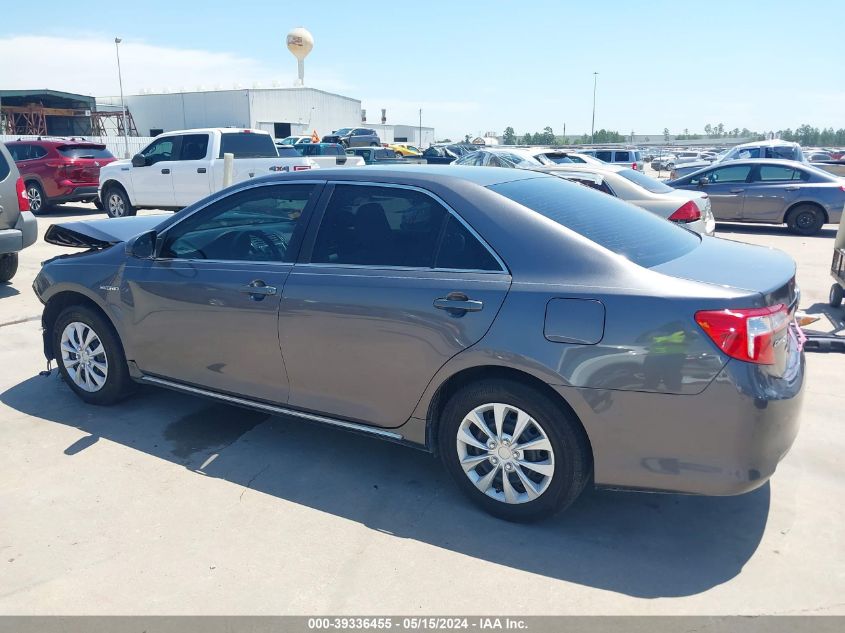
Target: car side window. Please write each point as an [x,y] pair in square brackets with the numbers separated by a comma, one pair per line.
[379,226]
[461,250]
[37,152]
[194,147]
[605,156]
[777,173]
[622,157]
[729,174]
[252,225]
[162,149]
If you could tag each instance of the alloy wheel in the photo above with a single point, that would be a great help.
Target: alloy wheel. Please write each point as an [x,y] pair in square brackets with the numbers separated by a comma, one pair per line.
[84,356]
[117,208]
[35,201]
[505,453]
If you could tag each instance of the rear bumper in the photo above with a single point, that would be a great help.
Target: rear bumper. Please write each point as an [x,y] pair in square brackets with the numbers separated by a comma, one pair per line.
[24,234]
[727,440]
[75,193]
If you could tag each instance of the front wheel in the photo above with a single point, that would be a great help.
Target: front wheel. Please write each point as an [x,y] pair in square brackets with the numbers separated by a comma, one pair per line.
[117,203]
[8,266]
[512,450]
[836,294]
[90,356]
[805,219]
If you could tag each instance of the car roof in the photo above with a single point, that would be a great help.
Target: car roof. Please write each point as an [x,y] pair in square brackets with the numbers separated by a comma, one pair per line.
[54,142]
[606,168]
[769,143]
[419,175]
[761,161]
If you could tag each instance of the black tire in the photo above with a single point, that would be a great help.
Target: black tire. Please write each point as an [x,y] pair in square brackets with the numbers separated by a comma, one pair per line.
[805,219]
[572,456]
[98,203]
[117,384]
[373,144]
[39,204]
[836,295]
[8,266]
[117,203]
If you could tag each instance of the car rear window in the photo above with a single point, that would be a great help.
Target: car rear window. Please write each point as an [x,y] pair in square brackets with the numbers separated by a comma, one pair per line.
[84,151]
[247,145]
[642,237]
[646,182]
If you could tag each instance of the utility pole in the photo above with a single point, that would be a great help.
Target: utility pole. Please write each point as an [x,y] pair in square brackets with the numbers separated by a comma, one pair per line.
[593,126]
[117,42]
[420,139]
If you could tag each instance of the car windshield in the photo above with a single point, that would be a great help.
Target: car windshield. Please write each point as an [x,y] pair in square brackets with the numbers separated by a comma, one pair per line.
[84,151]
[343,131]
[646,182]
[642,237]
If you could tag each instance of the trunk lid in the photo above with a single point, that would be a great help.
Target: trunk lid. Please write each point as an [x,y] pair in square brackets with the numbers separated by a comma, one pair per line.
[100,233]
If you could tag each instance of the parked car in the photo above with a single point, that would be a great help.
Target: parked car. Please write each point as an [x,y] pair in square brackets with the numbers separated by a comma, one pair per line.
[689,208]
[773,149]
[501,156]
[326,154]
[59,170]
[627,156]
[536,335]
[294,140]
[380,156]
[18,227]
[445,154]
[835,167]
[405,149]
[660,163]
[812,157]
[770,191]
[354,137]
[179,168]
[549,156]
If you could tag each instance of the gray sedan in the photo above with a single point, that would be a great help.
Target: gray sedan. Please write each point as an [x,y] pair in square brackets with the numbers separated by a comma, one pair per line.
[537,335]
[770,191]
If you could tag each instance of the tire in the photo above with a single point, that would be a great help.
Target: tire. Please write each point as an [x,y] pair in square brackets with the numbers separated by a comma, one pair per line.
[567,466]
[117,203]
[8,266]
[38,201]
[373,144]
[805,219]
[98,203]
[108,374]
[836,295]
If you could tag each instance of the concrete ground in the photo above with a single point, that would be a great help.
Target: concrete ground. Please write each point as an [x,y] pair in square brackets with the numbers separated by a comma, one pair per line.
[171,504]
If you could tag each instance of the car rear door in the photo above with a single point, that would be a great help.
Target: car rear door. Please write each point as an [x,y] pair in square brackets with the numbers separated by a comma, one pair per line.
[726,188]
[190,173]
[205,309]
[153,182]
[391,284]
[772,190]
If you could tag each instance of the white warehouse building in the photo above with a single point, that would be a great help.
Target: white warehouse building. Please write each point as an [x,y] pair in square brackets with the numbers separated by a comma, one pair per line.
[279,111]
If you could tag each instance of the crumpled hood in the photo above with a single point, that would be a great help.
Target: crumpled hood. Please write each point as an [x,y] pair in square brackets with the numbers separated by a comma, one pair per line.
[101,233]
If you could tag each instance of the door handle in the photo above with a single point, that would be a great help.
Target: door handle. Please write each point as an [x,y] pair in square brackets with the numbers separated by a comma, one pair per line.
[737,190]
[457,304]
[165,171]
[791,188]
[200,170]
[257,290]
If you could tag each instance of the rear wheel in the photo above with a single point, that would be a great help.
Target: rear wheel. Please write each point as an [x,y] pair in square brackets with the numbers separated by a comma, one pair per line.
[512,450]
[117,203]
[836,294]
[90,356]
[98,203]
[373,144]
[805,219]
[38,202]
[8,266]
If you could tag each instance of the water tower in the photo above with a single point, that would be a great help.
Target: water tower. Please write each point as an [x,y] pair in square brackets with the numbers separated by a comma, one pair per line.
[300,43]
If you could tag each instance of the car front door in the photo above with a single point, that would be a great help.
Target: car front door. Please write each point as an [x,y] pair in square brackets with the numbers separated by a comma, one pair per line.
[390,286]
[190,173]
[726,187]
[153,182]
[772,190]
[205,309]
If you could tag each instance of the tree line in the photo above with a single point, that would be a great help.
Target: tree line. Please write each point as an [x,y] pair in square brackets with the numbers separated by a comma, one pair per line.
[548,137]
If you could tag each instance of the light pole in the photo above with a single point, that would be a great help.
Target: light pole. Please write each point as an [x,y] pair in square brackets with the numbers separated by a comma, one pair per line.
[117,42]
[593,125]
[420,139]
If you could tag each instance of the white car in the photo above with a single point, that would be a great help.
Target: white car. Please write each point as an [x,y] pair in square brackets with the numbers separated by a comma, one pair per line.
[552,156]
[691,209]
[179,168]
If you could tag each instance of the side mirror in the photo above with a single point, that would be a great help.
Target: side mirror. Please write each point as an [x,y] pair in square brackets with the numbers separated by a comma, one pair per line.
[143,246]
[704,180]
[139,160]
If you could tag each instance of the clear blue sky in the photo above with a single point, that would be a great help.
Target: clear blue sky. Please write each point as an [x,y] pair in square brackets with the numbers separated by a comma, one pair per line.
[471,65]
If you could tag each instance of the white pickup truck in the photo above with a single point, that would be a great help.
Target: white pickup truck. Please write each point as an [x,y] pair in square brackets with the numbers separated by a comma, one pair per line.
[179,168]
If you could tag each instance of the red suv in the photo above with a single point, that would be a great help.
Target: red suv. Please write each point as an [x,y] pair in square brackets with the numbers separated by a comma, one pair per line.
[59,170]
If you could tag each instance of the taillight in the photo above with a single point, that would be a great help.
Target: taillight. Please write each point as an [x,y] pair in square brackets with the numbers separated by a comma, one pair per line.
[634,166]
[23,199]
[687,212]
[745,334]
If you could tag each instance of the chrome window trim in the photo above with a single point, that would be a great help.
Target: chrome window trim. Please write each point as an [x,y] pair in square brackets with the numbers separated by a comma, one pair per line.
[389,185]
[270,408]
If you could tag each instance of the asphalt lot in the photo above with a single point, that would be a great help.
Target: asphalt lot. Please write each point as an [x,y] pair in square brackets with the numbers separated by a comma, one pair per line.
[172,504]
